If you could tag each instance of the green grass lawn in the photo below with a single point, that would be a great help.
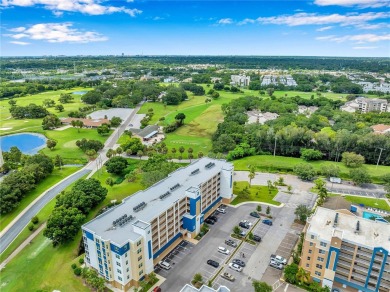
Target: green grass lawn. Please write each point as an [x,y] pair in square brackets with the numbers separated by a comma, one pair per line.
[369,202]
[257,194]
[269,163]
[10,125]
[56,176]
[53,264]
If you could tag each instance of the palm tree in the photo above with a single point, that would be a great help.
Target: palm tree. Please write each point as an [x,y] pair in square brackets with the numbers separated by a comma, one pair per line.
[119,150]
[236,230]
[251,176]
[303,276]
[173,150]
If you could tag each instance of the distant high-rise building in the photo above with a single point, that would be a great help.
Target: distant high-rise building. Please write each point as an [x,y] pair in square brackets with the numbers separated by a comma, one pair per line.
[240,80]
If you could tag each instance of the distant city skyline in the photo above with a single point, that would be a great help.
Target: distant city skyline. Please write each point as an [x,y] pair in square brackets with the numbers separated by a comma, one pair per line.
[345,28]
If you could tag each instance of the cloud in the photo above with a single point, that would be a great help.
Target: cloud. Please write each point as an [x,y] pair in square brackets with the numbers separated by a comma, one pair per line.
[19,43]
[359,3]
[225,21]
[158,18]
[365,48]
[90,7]
[56,33]
[317,19]
[359,38]
[324,28]
[246,21]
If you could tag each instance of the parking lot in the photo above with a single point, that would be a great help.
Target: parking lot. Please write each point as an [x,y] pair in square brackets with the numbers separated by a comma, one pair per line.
[174,257]
[354,192]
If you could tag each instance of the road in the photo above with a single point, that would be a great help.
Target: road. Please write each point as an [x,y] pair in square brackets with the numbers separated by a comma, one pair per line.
[15,227]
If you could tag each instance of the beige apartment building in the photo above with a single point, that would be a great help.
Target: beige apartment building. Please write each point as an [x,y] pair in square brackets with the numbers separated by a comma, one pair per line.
[342,250]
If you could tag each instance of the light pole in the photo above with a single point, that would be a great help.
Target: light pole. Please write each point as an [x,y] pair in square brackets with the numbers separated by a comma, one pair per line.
[379,158]
[275,146]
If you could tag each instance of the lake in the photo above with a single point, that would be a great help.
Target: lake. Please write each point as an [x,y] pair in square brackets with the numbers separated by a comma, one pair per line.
[28,143]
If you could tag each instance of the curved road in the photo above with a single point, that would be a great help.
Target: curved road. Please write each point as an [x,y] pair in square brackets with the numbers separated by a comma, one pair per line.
[15,227]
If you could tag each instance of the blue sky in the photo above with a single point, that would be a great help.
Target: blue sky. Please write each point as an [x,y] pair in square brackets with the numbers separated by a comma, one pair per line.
[95,27]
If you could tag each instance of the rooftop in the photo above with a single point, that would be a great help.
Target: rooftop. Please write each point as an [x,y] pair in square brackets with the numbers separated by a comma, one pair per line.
[147,204]
[204,288]
[370,233]
[381,128]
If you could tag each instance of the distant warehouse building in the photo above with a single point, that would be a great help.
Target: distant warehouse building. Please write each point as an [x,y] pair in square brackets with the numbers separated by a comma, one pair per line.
[124,243]
[342,250]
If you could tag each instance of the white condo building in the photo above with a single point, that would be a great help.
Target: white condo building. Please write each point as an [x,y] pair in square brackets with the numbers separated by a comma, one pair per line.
[124,243]
[240,80]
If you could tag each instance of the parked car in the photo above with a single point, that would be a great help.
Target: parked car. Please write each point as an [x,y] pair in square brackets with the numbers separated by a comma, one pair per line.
[209,221]
[256,238]
[335,290]
[267,221]
[279,259]
[255,214]
[243,233]
[239,262]
[213,263]
[231,243]
[212,217]
[157,289]
[235,267]
[228,276]
[221,210]
[164,265]
[247,222]
[244,225]
[223,250]
[275,265]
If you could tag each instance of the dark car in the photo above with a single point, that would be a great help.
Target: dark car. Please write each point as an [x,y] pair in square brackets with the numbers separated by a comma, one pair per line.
[256,238]
[157,289]
[267,221]
[243,225]
[239,262]
[213,263]
[209,221]
[212,217]
[255,214]
[231,243]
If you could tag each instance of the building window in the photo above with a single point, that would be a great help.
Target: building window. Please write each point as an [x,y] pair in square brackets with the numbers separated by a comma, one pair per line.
[312,236]
[128,277]
[317,273]
[307,265]
[127,269]
[125,255]
[139,258]
[140,265]
[321,251]
[311,243]
[310,251]
[119,271]
[127,262]
[139,250]
[140,272]
[119,278]
[323,244]
[117,256]
[308,258]
[318,266]
[139,243]
[320,259]
[118,263]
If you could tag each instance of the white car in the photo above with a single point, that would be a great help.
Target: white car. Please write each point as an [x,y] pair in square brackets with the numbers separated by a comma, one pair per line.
[221,210]
[235,267]
[223,250]
[280,259]
[276,264]
[247,222]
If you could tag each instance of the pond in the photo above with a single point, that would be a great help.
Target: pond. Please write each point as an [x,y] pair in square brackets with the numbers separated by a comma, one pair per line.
[79,92]
[28,143]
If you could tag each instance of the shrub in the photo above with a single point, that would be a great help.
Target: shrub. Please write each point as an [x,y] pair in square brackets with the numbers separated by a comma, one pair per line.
[74,266]
[81,261]
[31,227]
[34,220]
[77,271]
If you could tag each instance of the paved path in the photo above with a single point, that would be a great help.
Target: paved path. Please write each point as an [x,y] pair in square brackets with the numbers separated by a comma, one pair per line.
[22,246]
[16,226]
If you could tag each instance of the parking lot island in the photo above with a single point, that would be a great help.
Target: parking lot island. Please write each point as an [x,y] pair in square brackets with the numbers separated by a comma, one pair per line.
[126,242]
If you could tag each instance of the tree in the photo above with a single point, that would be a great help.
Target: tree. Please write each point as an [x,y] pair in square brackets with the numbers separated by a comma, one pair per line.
[140,154]
[173,150]
[58,161]
[319,183]
[305,171]
[302,212]
[92,188]
[131,176]
[50,122]
[351,159]
[116,165]
[198,278]
[180,118]
[303,276]
[129,152]
[12,102]
[310,154]
[268,210]
[190,156]
[48,102]
[270,91]
[290,273]
[237,230]
[252,174]
[261,286]
[181,149]
[65,98]
[359,176]
[77,124]
[51,144]
[59,107]
[330,170]
[104,129]
[115,122]
[109,181]
[110,153]
[200,154]
[258,208]
[119,150]
[91,153]
[63,225]
[289,188]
